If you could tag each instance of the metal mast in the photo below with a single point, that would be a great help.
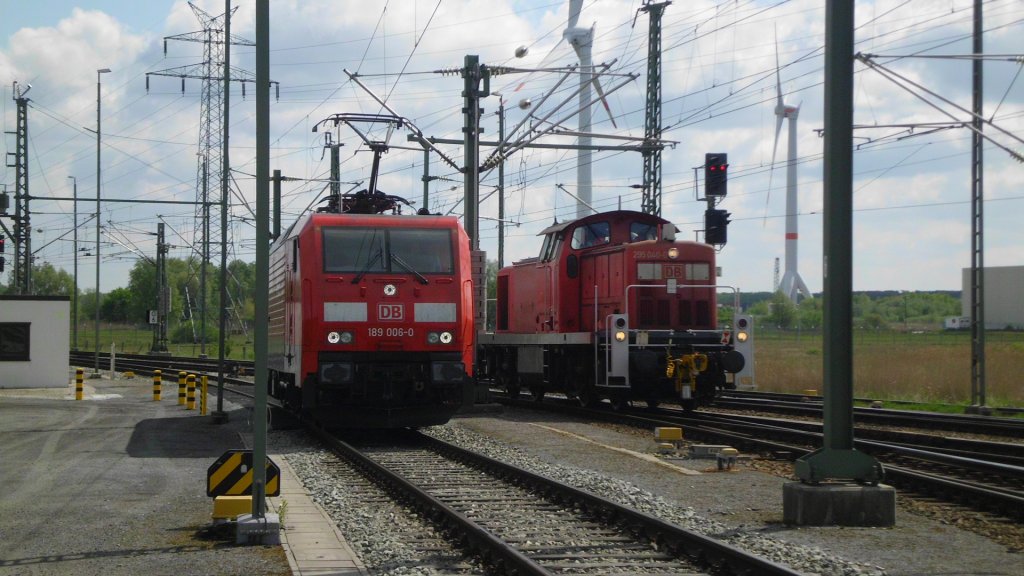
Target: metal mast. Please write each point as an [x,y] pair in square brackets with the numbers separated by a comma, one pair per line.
[650,201]
[210,174]
[22,228]
[977,227]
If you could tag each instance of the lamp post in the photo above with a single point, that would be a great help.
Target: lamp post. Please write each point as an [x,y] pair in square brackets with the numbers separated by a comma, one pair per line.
[96,374]
[74,298]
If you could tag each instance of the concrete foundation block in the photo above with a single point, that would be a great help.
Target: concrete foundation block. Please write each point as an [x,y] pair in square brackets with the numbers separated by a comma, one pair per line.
[838,505]
[266,530]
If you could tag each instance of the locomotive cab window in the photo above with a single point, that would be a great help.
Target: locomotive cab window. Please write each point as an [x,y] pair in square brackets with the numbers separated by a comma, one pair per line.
[369,250]
[642,231]
[353,250]
[592,234]
[427,251]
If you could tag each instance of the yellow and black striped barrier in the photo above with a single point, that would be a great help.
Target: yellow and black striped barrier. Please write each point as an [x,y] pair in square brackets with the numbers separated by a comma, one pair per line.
[202,396]
[181,388]
[79,383]
[231,475]
[156,385]
[190,403]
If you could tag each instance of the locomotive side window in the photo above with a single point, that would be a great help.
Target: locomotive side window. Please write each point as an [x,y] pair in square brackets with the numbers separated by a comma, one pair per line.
[592,234]
[427,251]
[550,249]
[547,248]
[353,250]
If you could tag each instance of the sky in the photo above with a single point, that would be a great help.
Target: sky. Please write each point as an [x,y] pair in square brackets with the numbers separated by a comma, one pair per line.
[912,186]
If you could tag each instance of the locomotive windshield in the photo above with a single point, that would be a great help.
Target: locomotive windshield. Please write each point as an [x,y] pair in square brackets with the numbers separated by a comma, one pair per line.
[370,250]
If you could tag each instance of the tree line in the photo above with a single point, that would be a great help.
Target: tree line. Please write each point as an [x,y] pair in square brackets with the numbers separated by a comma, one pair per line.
[871,310]
[131,304]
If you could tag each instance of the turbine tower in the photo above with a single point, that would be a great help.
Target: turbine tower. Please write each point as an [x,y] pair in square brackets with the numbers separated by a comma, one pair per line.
[792,284]
[582,42]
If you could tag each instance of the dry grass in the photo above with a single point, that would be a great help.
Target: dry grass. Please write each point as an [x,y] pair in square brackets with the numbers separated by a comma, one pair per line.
[898,366]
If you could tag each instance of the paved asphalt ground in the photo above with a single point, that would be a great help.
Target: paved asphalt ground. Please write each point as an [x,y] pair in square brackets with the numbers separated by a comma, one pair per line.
[115,484]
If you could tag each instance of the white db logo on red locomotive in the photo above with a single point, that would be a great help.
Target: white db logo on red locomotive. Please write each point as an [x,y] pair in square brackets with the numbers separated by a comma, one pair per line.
[390,312]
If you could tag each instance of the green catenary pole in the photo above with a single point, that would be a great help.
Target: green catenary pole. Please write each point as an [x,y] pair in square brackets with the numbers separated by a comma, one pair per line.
[837,459]
[259,427]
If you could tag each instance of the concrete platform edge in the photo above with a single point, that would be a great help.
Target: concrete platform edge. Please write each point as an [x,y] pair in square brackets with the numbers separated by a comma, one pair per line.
[310,559]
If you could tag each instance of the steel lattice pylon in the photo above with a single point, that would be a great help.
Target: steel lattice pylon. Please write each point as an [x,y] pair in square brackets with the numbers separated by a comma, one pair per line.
[210,168]
[650,202]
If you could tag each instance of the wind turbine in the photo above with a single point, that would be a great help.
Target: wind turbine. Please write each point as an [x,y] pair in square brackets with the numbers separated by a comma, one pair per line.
[791,283]
[582,42]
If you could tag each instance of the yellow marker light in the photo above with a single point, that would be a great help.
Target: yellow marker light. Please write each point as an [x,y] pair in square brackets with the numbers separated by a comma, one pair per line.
[741,336]
[620,336]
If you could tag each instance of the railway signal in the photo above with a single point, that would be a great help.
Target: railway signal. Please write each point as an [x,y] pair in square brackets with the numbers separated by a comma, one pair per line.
[743,342]
[716,223]
[716,165]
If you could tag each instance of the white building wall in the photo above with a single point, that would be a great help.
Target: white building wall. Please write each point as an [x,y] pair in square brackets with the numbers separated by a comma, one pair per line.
[49,341]
[1004,296]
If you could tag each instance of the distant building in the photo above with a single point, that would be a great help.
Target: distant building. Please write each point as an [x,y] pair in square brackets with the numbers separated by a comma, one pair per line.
[957,323]
[1004,297]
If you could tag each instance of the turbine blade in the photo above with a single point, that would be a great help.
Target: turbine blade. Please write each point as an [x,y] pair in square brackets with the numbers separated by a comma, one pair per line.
[604,101]
[778,80]
[771,169]
[575,6]
[778,130]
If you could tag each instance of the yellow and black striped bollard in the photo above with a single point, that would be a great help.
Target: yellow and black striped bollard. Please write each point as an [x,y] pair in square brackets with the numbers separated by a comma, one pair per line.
[157,381]
[181,388]
[202,396]
[190,404]
[79,383]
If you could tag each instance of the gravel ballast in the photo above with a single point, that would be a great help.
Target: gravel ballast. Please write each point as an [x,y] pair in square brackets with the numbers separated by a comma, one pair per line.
[742,507]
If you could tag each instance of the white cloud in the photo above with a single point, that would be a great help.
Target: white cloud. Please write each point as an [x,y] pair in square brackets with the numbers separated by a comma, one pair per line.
[718,95]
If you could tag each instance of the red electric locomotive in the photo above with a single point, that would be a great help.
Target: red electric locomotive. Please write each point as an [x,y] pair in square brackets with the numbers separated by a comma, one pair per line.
[371,316]
[613,307]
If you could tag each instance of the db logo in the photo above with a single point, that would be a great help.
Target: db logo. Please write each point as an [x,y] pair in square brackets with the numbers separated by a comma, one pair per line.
[393,312]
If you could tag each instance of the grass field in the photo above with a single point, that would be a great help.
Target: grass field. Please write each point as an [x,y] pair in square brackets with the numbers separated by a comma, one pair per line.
[926,367]
[139,340]
[931,367]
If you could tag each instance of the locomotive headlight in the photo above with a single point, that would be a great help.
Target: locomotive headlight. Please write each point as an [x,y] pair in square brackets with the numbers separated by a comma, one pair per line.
[439,338]
[673,253]
[336,337]
[620,336]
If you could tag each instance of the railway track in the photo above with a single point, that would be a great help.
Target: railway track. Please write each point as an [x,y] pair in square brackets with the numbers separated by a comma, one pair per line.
[517,522]
[981,474]
[811,406]
[981,482]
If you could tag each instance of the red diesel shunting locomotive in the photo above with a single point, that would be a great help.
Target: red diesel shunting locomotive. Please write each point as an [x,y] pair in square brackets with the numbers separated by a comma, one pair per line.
[371,318]
[613,307]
